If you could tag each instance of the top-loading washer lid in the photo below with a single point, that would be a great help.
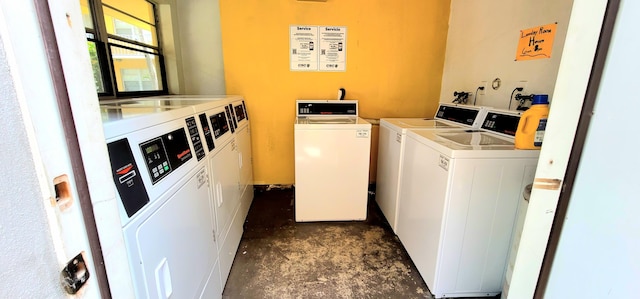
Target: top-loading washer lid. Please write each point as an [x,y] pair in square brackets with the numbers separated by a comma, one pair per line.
[475,138]
[110,113]
[423,122]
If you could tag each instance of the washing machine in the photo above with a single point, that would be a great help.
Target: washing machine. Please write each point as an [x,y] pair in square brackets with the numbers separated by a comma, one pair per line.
[159,170]
[458,201]
[217,123]
[226,137]
[516,236]
[391,142]
[243,137]
[332,149]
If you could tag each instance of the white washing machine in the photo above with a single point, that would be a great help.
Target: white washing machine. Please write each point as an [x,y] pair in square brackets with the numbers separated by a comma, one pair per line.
[391,140]
[225,125]
[216,122]
[161,177]
[243,137]
[332,148]
[458,201]
[515,240]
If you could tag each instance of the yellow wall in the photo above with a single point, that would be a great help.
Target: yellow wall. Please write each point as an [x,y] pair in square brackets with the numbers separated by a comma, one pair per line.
[395,56]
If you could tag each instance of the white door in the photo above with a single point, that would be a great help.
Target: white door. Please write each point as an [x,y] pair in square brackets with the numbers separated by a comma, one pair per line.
[224,184]
[51,138]
[573,76]
[225,176]
[176,245]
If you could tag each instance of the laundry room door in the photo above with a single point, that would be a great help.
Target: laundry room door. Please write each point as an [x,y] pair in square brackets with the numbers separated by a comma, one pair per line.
[49,74]
[583,37]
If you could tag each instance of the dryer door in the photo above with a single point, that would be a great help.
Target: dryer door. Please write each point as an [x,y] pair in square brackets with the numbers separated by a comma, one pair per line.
[176,249]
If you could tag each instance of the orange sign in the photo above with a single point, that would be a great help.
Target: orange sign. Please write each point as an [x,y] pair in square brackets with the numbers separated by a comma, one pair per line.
[536,42]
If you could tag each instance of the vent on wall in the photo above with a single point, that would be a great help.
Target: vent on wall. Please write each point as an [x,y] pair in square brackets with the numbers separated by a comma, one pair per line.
[312,0]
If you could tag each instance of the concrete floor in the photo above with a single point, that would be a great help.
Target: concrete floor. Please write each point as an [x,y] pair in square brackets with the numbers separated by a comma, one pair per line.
[279,258]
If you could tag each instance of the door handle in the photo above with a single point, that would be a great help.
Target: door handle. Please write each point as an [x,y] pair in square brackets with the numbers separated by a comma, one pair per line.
[163,279]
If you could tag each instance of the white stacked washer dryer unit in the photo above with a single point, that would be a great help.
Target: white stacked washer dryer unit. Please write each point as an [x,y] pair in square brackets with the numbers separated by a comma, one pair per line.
[223,119]
[391,142]
[332,146]
[210,123]
[243,137]
[241,130]
[217,123]
[231,170]
[159,169]
[458,200]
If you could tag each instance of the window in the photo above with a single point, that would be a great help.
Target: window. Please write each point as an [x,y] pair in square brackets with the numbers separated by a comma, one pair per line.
[122,39]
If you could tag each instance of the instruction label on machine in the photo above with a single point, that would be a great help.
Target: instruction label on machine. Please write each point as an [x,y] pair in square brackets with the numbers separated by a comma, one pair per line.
[318,48]
[362,133]
[444,163]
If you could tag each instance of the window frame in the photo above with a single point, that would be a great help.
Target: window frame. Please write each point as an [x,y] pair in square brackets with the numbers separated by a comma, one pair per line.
[105,58]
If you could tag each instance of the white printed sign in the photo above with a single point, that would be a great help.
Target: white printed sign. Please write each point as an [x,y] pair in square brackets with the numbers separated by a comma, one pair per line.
[318,48]
[303,50]
[333,48]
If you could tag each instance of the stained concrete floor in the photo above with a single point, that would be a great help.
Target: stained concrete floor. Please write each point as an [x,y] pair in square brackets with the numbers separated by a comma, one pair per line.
[279,258]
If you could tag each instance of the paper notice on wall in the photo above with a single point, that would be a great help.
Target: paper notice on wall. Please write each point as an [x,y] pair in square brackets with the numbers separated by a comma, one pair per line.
[333,48]
[318,48]
[303,48]
[536,42]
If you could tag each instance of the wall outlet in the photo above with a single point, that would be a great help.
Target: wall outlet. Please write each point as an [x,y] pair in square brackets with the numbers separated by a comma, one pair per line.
[522,84]
[484,85]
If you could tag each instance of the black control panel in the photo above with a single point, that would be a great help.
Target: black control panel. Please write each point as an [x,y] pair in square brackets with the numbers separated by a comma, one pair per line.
[166,153]
[239,110]
[233,116]
[327,109]
[246,113]
[194,134]
[231,120]
[206,131]
[126,176]
[219,124]
[457,114]
[501,123]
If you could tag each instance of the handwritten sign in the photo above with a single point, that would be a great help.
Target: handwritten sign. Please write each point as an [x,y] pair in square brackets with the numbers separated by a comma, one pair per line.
[536,42]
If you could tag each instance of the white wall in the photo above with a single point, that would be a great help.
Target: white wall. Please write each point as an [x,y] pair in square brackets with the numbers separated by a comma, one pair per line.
[170,48]
[597,255]
[198,23]
[481,46]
